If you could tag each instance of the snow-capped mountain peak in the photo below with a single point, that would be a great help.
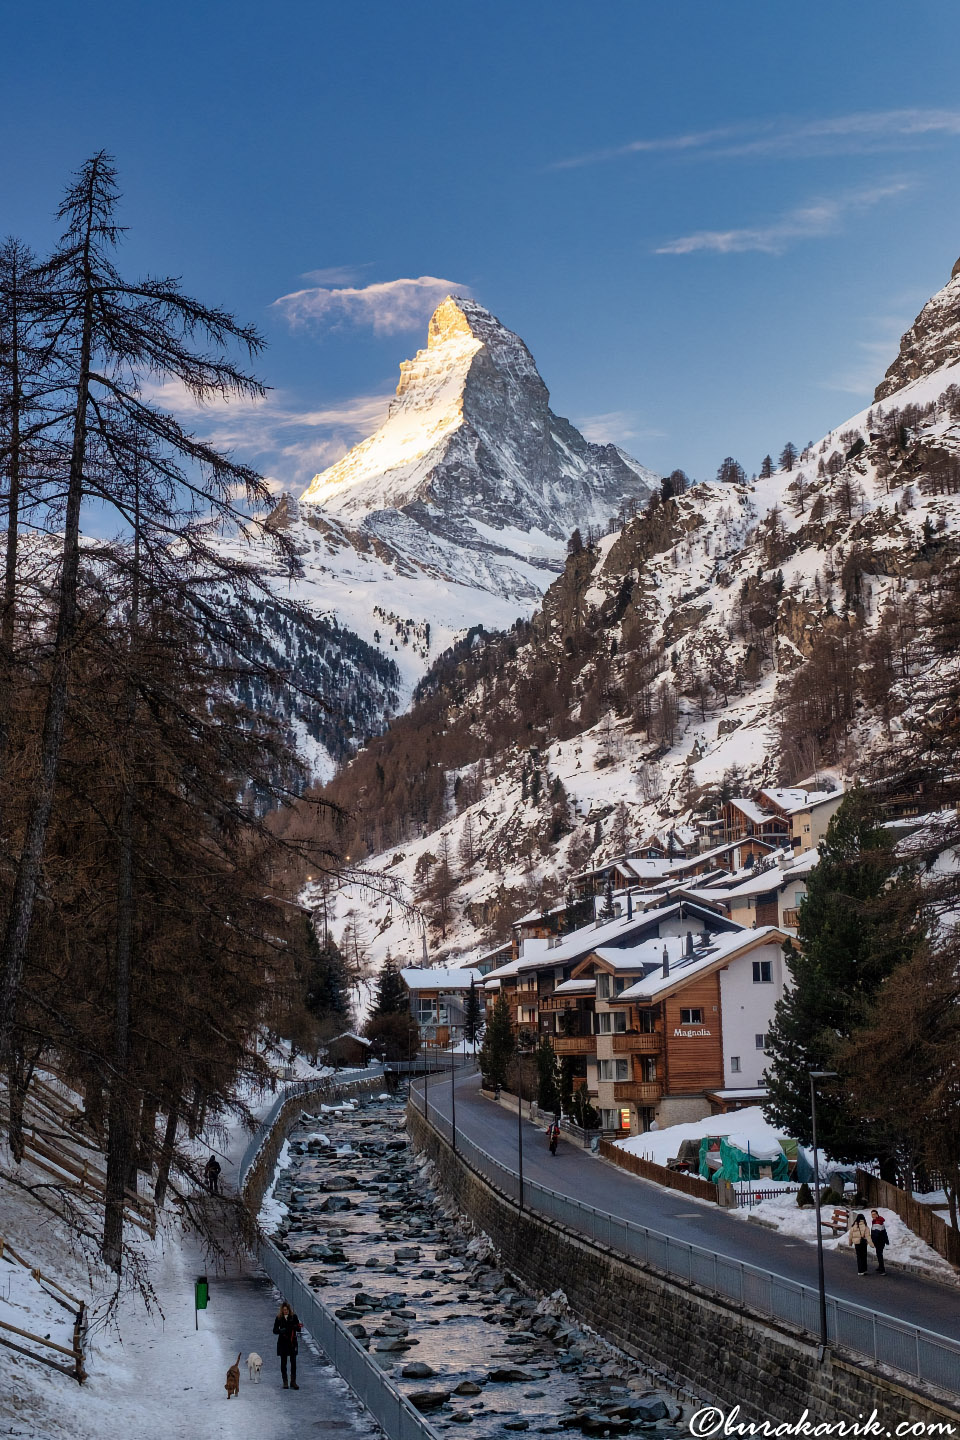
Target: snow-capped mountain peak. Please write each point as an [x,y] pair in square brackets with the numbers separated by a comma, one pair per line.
[471,434]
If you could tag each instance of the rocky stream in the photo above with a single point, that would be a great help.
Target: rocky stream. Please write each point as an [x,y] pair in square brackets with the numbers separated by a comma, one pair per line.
[356,1210]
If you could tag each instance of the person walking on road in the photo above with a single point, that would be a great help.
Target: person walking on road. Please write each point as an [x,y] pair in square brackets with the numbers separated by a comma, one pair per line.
[859,1238]
[553,1137]
[880,1238]
[287,1329]
[212,1175]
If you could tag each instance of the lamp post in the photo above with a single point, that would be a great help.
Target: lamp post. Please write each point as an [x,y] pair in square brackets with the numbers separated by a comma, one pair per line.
[453,1093]
[816,1075]
[520,1054]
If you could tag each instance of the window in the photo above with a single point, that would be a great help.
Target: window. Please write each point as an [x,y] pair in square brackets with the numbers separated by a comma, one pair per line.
[614,1070]
[603,987]
[762,972]
[619,983]
[691,1017]
[761,1041]
[611,1120]
[614,1023]
[648,1068]
[735,1064]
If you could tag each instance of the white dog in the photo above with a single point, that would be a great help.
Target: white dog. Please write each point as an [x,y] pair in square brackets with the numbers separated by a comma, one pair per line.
[254,1366]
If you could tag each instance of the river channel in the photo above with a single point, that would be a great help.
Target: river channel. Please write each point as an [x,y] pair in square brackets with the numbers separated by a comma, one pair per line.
[356,1210]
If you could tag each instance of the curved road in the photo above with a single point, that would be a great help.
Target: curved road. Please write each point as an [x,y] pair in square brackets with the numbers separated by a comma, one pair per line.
[583,1177]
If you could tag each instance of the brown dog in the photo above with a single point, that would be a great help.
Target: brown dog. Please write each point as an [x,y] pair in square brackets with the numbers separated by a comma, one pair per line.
[232,1386]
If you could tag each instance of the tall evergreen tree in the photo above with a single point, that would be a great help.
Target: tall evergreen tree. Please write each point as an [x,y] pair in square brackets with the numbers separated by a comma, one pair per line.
[499,1044]
[766,467]
[328,985]
[548,1077]
[788,456]
[392,997]
[856,925]
[472,1015]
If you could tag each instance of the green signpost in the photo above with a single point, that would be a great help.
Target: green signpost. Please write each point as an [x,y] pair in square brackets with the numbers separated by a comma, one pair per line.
[201,1294]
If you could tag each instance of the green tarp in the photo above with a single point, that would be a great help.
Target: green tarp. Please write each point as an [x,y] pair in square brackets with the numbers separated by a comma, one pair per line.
[737,1164]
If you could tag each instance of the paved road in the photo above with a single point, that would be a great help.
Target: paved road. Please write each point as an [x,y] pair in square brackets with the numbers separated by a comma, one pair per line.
[595,1182]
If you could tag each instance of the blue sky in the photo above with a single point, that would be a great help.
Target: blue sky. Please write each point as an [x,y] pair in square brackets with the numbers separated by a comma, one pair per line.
[710,222]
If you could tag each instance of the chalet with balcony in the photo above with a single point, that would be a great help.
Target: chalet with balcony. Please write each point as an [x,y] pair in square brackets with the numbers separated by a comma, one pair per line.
[744,817]
[438,1002]
[676,1019]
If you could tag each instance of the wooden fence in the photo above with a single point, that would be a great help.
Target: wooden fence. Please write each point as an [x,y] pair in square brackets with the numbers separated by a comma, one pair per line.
[648,1170]
[920,1218]
[75,1307]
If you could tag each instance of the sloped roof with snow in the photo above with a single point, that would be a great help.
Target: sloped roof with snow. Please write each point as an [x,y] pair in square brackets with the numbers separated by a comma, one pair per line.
[683,968]
[440,979]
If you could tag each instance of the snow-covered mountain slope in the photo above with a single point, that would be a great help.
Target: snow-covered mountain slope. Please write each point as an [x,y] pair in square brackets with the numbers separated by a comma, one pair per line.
[729,637]
[931,343]
[455,514]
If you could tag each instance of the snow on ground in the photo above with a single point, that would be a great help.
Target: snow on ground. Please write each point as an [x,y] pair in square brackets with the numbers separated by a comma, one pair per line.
[663,1145]
[905,1248]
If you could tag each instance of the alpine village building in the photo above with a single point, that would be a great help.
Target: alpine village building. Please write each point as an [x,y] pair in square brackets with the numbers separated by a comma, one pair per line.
[657,983]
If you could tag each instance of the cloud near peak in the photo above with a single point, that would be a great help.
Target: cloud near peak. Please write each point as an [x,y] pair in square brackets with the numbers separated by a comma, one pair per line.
[387,306]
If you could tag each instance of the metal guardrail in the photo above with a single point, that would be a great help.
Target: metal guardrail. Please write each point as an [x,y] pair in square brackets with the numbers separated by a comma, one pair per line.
[398,1419]
[326,1089]
[883,1338]
[389,1407]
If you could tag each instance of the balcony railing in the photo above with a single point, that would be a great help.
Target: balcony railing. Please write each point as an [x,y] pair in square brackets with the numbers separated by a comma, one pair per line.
[574,1044]
[791,918]
[643,1092]
[553,1003]
[650,1044]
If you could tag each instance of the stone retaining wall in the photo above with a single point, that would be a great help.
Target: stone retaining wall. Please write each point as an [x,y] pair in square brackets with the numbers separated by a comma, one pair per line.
[717,1349]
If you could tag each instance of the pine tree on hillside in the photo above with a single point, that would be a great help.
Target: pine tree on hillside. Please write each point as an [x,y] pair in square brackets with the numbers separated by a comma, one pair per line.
[856,925]
[498,1044]
[392,996]
[766,467]
[328,987]
[731,472]
[472,1015]
[788,456]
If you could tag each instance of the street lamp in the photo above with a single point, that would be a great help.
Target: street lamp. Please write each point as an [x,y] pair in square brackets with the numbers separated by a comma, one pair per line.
[816,1075]
[520,1055]
[453,1092]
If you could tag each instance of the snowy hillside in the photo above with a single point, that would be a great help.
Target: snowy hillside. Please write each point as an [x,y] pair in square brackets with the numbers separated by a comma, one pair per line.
[731,636]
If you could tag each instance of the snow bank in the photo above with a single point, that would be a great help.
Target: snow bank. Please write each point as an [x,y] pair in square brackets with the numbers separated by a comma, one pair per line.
[743,1127]
[783,1213]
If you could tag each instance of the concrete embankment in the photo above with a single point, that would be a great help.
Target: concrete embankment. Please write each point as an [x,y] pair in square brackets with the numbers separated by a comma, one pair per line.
[707,1343]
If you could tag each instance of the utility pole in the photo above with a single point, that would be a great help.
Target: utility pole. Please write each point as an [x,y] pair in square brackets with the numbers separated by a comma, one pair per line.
[816,1075]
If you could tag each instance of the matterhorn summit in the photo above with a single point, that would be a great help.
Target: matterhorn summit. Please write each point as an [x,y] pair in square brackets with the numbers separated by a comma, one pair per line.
[472,471]
[455,514]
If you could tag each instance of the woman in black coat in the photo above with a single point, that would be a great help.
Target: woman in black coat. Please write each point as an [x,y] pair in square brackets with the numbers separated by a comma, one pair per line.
[287,1329]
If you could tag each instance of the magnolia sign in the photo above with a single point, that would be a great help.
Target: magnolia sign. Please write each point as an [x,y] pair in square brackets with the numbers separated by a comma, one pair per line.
[689,1033]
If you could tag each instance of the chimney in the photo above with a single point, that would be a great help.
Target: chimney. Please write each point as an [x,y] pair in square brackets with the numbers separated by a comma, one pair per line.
[689,942]
[666,962]
[629,904]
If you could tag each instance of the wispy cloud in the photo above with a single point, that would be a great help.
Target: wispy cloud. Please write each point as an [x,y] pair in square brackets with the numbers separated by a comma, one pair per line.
[387,307]
[805,222]
[336,274]
[696,141]
[617,427]
[861,132]
[288,444]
